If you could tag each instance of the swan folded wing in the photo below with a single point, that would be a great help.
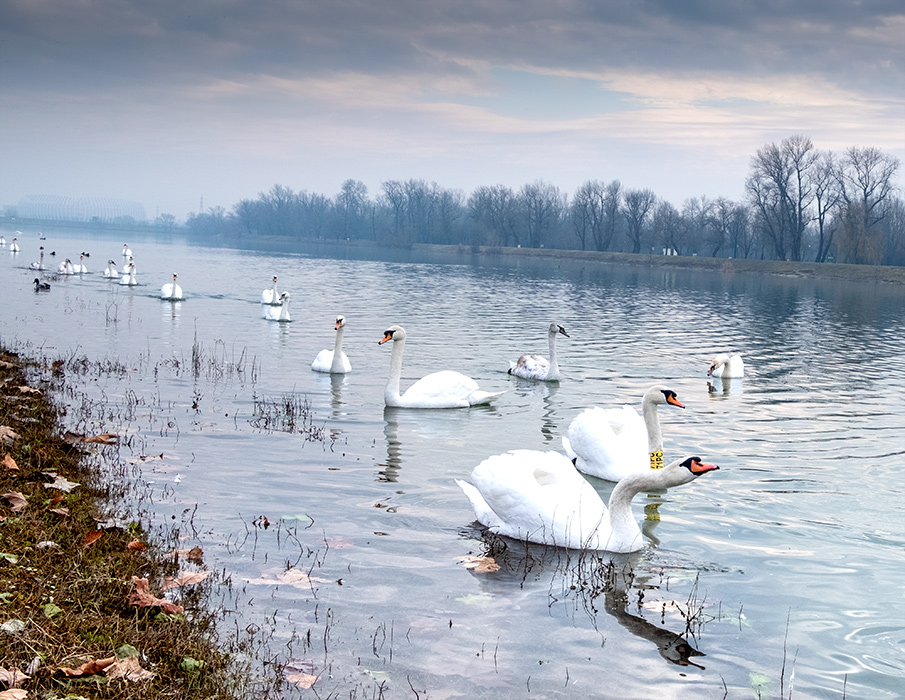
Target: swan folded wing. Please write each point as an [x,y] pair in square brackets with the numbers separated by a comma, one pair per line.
[538,496]
[609,443]
[323,361]
[530,367]
[445,389]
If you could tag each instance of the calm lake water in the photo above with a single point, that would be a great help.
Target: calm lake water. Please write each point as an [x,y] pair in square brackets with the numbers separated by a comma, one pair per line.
[789,560]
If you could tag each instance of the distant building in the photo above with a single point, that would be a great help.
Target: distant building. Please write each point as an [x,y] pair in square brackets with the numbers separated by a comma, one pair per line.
[54,208]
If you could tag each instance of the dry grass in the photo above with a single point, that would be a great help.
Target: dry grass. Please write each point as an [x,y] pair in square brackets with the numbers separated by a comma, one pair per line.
[64,595]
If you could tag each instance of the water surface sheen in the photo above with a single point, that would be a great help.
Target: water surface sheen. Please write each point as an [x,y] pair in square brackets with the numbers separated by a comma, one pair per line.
[790,554]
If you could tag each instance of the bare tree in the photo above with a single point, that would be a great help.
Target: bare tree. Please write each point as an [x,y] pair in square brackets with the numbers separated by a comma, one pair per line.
[543,204]
[827,178]
[697,212]
[638,207]
[668,227]
[494,209]
[586,212]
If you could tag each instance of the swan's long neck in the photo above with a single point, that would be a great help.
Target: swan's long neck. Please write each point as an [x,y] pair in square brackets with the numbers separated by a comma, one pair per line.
[391,392]
[624,531]
[654,436]
[554,365]
[337,365]
[284,310]
[276,296]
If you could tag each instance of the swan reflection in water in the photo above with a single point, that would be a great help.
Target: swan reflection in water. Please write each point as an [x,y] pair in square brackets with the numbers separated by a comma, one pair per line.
[551,426]
[584,578]
[171,311]
[721,387]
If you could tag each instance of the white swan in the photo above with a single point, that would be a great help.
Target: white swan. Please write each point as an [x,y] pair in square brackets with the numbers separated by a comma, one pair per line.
[614,443]
[40,264]
[333,361]
[281,312]
[536,366]
[271,296]
[444,389]
[2,241]
[127,251]
[128,277]
[726,366]
[66,268]
[111,273]
[79,268]
[171,291]
[14,246]
[540,497]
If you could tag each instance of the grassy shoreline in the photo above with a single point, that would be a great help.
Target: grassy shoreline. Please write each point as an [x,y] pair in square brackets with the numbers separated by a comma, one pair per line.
[82,605]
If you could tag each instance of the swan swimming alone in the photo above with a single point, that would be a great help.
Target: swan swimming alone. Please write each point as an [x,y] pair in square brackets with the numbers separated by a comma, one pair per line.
[726,366]
[2,241]
[540,497]
[39,265]
[271,296]
[444,389]
[614,443]
[281,312]
[537,366]
[333,361]
[127,251]
[14,246]
[66,268]
[110,272]
[171,291]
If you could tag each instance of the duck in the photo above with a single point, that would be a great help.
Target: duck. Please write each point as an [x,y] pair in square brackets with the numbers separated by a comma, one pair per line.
[614,443]
[110,272]
[271,296]
[127,251]
[171,291]
[66,268]
[41,286]
[80,268]
[39,265]
[14,246]
[727,366]
[279,313]
[540,497]
[128,277]
[444,389]
[333,361]
[537,366]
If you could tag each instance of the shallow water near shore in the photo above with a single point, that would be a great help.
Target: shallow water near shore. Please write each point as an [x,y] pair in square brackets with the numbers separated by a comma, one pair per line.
[787,561]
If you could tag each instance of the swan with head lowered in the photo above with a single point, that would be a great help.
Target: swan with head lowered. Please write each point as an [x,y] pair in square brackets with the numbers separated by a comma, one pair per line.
[171,291]
[537,366]
[727,366]
[444,389]
[614,443]
[333,361]
[66,268]
[279,313]
[540,497]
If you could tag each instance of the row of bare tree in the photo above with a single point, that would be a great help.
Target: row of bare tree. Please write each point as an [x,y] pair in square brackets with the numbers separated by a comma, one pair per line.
[801,204]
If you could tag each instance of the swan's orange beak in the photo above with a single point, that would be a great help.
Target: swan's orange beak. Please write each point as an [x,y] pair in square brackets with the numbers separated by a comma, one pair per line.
[337,326]
[674,401]
[386,336]
[710,371]
[698,467]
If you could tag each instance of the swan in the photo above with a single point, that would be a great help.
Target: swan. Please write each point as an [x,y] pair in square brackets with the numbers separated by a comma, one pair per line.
[613,443]
[171,291]
[128,277]
[66,268]
[726,366]
[41,286]
[333,361]
[540,497]
[111,272]
[281,312]
[444,389]
[271,296]
[40,264]
[14,246]
[80,268]
[536,366]
[127,251]
[2,241]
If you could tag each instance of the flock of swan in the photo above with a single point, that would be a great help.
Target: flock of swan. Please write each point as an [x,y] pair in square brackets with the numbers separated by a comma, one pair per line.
[529,495]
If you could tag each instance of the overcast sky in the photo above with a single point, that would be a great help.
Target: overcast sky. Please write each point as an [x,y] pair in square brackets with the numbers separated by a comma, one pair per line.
[168,101]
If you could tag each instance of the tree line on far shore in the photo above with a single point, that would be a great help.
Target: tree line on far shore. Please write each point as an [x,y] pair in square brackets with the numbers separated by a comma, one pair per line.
[801,204]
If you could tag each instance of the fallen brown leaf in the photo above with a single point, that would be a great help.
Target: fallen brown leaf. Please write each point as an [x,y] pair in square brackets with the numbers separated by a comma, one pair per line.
[137,546]
[60,511]
[16,500]
[14,694]
[92,537]
[9,462]
[302,680]
[12,677]
[142,598]
[7,365]
[8,435]
[28,390]
[103,439]
[194,555]
[480,565]
[290,577]
[89,668]
[129,669]
[62,483]
[186,578]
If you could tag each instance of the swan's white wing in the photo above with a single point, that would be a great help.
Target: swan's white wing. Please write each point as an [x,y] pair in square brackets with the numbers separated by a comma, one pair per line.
[530,367]
[609,443]
[323,361]
[347,366]
[736,366]
[441,390]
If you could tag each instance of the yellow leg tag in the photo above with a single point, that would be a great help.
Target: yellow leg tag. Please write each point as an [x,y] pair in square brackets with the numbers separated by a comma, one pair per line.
[656,459]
